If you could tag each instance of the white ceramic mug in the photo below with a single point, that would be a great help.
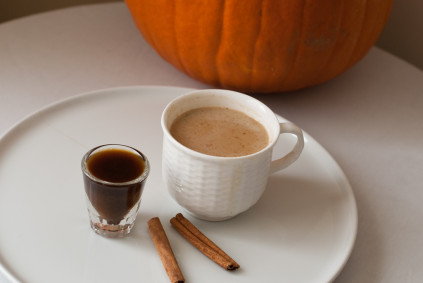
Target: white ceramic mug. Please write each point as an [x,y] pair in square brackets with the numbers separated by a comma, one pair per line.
[218,188]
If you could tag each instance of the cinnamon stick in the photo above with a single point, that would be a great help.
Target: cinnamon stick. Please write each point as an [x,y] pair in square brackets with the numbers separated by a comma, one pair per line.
[202,243]
[164,249]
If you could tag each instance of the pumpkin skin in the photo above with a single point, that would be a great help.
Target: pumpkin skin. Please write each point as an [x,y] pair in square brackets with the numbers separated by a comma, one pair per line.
[261,46]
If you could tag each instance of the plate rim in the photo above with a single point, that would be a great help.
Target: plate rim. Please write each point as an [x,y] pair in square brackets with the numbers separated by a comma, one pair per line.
[7,272]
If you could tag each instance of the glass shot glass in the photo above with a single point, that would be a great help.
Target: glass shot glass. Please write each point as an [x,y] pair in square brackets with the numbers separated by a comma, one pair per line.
[114,178]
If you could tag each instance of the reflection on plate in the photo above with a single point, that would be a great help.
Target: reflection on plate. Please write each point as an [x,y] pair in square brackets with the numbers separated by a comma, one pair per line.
[301,230]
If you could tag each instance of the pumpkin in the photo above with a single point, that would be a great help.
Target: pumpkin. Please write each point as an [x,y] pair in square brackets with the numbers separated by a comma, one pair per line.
[261,46]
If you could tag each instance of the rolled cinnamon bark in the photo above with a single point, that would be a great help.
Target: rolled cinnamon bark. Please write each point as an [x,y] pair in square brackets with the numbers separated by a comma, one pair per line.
[202,243]
[164,249]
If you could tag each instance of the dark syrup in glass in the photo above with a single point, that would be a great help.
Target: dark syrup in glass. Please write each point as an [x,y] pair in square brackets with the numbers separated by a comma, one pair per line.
[117,166]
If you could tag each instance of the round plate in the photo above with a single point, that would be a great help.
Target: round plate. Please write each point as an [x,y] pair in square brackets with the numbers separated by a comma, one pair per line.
[301,230]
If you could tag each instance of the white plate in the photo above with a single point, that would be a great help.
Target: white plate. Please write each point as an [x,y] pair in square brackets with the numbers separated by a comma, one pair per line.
[302,230]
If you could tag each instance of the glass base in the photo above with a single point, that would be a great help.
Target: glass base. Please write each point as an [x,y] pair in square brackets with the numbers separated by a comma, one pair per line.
[112,228]
[111,231]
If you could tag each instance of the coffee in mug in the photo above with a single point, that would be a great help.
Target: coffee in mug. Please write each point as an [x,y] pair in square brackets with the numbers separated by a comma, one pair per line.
[219,131]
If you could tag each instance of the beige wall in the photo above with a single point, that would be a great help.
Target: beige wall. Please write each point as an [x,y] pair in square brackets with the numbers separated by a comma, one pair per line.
[403,35]
[10,9]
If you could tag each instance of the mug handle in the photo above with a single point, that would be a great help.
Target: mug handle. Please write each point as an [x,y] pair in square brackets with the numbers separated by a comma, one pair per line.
[288,159]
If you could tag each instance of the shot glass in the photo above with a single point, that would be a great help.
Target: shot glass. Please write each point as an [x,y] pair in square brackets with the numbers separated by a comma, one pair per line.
[114,178]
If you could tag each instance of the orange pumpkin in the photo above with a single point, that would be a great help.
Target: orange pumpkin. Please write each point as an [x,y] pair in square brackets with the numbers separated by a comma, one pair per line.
[261,46]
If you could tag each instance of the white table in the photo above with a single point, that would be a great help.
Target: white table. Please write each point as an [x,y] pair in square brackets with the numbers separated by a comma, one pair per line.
[370,118]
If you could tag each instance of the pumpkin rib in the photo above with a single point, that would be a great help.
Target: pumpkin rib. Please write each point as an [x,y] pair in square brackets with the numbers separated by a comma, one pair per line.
[219,46]
[235,54]
[209,68]
[341,53]
[298,47]
[178,56]
[151,35]
[370,34]
[198,38]
[219,75]
[277,44]
[356,45]
[318,45]
[256,41]
[324,69]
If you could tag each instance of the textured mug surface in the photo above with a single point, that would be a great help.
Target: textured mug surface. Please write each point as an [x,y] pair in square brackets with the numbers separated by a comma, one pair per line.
[218,188]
